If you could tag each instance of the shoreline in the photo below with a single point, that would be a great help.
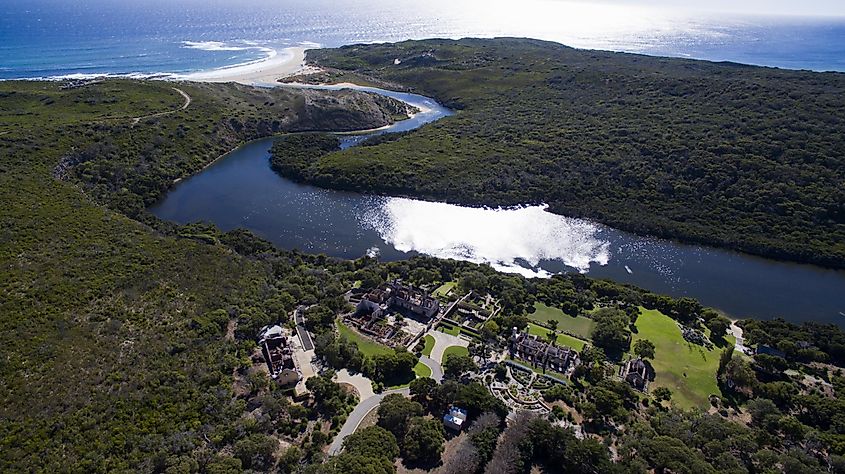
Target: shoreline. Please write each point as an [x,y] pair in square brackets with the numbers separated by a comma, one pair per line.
[279,64]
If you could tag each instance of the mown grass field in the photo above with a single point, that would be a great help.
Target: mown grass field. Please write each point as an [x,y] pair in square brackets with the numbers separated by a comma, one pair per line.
[368,347]
[687,369]
[444,289]
[429,345]
[562,339]
[422,370]
[454,350]
[579,326]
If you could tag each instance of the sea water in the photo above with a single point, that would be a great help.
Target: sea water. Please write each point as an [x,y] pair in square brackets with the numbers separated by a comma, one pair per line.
[49,38]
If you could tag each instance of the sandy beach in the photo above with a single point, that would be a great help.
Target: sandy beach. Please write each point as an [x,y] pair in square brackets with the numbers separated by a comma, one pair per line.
[266,71]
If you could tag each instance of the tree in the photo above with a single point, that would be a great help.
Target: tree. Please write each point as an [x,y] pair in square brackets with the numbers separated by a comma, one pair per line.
[356,464]
[372,442]
[611,330]
[662,394]
[225,465]
[667,453]
[718,326]
[290,460]
[508,457]
[456,365]
[738,375]
[552,334]
[424,440]
[421,389]
[644,348]
[256,451]
[764,413]
[394,411]
[483,434]
[687,309]
[330,397]
[472,280]
[480,350]
[476,398]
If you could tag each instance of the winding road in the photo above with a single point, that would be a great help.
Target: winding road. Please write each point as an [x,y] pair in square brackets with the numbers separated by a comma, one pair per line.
[370,400]
[355,418]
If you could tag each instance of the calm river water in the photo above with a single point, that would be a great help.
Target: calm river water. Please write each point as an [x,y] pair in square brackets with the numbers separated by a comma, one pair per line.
[240,190]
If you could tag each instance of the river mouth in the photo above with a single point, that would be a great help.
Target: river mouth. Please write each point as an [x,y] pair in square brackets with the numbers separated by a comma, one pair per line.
[241,191]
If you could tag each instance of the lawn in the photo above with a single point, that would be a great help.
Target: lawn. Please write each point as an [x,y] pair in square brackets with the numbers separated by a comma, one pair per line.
[562,339]
[429,345]
[579,326]
[446,288]
[687,369]
[454,350]
[368,347]
[422,370]
[448,329]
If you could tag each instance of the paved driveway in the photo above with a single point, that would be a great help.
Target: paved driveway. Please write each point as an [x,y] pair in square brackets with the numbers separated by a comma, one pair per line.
[442,341]
[364,407]
[436,369]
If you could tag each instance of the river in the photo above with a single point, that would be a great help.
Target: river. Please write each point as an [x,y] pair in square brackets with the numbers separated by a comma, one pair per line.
[241,190]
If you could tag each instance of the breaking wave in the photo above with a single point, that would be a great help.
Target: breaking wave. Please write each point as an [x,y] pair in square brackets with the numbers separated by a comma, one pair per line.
[515,240]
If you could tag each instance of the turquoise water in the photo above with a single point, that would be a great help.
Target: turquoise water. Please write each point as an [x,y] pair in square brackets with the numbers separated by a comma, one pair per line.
[44,38]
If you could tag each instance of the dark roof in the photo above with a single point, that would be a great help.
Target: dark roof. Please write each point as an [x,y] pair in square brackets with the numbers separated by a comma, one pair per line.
[762,349]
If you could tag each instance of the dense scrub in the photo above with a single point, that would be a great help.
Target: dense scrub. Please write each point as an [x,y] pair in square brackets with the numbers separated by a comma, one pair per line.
[130,349]
[122,349]
[129,165]
[736,156]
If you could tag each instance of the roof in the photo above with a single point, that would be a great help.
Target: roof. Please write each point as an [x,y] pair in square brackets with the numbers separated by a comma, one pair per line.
[268,332]
[771,351]
[453,419]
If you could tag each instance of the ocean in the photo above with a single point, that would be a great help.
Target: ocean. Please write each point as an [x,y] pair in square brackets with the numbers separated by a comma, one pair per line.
[52,38]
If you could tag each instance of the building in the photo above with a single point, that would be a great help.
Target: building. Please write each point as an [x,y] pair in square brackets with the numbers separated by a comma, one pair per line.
[540,353]
[455,418]
[635,372]
[767,350]
[275,346]
[399,297]
[414,300]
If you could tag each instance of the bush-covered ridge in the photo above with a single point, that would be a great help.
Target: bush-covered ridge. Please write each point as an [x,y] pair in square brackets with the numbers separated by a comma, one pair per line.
[737,156]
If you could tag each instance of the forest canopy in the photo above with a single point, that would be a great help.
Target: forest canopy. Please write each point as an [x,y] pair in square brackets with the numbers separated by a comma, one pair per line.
[737,156]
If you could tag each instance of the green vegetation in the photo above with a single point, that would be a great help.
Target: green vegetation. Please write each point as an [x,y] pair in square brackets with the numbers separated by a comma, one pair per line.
[444,289]
[429,345]
[455,350]
[735,156]
[115,336]
[578,326]
[688,370]
[128,344]
[366,345]
[422,370]
[562,339]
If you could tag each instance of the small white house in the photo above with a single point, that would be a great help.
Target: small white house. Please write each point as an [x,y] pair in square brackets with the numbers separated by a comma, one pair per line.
[455,418]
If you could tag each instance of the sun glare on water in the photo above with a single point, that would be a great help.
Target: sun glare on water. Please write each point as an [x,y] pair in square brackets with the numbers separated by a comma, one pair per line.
[513,240]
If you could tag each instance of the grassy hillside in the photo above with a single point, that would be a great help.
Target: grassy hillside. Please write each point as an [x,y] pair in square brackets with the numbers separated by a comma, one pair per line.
[736,156]
[688,370]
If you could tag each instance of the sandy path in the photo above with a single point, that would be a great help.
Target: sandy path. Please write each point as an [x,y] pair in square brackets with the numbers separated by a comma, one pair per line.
[184,106]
